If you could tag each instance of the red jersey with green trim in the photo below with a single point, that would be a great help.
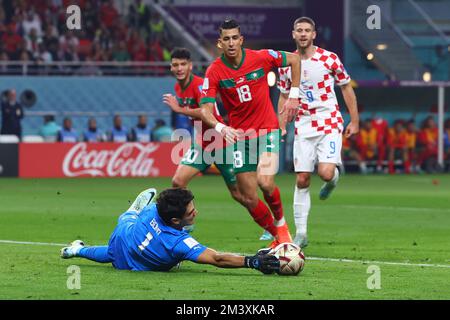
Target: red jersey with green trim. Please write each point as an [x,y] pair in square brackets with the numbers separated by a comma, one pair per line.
[189,97]
[244,89]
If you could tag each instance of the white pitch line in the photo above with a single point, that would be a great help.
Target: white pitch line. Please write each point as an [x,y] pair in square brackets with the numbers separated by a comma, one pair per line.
[380,262]
[391,208]
[34,243]
[307,258]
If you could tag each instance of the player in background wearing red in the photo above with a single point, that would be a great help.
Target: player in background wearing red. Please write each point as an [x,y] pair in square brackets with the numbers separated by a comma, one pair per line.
[319,124]
[381,126]
[397,146]
[239,76]
[198,158]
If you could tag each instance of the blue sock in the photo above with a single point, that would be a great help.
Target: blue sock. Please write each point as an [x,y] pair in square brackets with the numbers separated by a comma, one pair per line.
[97,254]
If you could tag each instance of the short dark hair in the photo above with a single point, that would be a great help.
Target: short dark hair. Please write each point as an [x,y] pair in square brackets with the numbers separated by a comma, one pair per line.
[172,203]
[180,53]
[307,20]
[229,24]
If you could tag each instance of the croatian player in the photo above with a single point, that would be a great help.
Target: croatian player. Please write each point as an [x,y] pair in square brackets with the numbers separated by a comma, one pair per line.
[319,124]
[149,237]
[239,76]
[201,154]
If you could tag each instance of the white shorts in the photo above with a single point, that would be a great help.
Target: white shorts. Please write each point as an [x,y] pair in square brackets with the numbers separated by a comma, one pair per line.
[325,148]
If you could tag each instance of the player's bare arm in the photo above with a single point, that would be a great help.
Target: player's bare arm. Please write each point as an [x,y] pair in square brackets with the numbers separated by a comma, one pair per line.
[291,104]
[172,102]
[282,117]
[263,262]
[207,116]
[350,101]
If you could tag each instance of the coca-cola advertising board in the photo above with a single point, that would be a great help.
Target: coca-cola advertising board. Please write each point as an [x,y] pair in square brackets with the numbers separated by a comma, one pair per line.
[52,160]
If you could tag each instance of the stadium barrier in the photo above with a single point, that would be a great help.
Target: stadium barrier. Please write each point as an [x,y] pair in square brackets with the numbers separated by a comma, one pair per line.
[9,159]
[55,160]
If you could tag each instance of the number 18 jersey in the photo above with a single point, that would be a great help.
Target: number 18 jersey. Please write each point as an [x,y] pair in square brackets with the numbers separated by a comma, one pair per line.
[244,89]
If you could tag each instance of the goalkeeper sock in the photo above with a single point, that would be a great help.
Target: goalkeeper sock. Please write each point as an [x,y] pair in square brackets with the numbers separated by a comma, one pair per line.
[274,202]
[262,216]
[302,204]
[97,254]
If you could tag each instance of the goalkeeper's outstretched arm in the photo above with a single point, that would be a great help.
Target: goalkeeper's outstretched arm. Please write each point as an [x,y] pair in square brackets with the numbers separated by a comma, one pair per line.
[265,263]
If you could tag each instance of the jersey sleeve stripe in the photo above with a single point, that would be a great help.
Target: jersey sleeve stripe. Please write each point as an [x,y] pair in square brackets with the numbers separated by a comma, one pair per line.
[283,55]
[227,83]
[207,100]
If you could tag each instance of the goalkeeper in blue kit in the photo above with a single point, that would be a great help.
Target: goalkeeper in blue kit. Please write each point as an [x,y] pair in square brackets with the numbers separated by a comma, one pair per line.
[149,236]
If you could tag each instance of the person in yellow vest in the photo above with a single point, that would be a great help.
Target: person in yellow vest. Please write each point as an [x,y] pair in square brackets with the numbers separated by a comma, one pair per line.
[428,141]
[447,139]
[367,142]
[397,146]
[411,145]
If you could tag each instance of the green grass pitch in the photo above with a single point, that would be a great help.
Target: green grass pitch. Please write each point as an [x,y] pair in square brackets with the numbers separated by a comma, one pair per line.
[400,219]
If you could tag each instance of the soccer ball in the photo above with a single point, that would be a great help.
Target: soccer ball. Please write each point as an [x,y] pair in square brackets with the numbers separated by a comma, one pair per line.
[292,259]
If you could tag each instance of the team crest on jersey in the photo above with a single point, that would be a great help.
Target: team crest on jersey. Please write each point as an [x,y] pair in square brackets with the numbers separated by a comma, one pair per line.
[200,88]
[273,53]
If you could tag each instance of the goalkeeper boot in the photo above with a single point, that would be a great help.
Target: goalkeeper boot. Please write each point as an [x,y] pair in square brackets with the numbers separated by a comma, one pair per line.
[266,236]
[301,240]
[72,250]
[142,200]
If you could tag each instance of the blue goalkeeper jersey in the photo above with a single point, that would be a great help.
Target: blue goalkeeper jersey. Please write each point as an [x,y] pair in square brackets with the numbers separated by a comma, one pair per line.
[145,243]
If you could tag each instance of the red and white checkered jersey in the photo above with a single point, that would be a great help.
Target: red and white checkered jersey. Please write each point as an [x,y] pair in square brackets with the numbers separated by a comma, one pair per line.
[319,110]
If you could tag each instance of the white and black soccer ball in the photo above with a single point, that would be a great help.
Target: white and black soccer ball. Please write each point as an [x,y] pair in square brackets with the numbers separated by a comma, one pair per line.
[292,259]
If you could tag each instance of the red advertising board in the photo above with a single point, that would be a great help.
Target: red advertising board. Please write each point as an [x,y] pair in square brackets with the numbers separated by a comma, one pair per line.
[51,160]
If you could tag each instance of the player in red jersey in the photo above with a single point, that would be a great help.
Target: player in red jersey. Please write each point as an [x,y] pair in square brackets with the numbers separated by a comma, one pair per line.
[202,152]
[239,76]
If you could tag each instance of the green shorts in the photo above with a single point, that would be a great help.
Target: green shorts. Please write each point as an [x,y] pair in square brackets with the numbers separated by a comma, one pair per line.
[201,160]
[246,153]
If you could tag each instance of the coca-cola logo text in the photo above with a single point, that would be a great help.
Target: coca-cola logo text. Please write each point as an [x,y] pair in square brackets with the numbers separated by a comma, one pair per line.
[129,159]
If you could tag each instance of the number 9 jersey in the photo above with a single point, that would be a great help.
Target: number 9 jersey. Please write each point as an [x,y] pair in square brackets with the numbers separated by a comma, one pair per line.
[319,110]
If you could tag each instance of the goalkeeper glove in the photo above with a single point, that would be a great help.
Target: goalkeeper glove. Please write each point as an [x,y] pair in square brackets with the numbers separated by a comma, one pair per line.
[266,263]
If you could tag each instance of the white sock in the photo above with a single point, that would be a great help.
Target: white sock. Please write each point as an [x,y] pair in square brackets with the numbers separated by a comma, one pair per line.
[335,179]
[280,222]
[302,204]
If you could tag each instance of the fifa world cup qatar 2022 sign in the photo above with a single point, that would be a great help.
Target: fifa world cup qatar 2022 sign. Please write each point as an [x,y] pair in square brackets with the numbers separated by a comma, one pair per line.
[47,160]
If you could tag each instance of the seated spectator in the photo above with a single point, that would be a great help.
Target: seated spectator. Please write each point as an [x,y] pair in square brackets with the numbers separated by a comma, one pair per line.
[447,140]
[120,52]
[349,152]
[397,146]
[161,132]
[92,133]
[108,14]
[381,126]
[367,142]
[428,145]
[118,133]
[142,132]
[49,131]
[11,40]
[67,133]
[411,144]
